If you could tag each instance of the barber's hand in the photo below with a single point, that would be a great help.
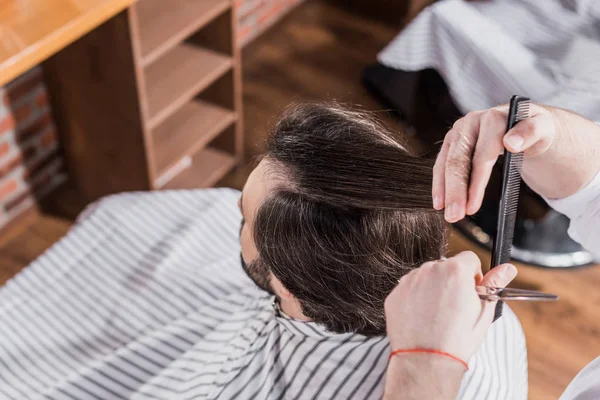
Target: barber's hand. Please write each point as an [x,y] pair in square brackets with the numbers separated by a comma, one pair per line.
[562,154]
[436,306]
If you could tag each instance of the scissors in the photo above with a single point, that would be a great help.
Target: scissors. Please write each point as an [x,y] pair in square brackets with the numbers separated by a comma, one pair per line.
[496,293]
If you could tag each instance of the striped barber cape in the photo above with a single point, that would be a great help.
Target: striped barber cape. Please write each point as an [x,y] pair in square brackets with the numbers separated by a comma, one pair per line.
[145,298]
[487,51]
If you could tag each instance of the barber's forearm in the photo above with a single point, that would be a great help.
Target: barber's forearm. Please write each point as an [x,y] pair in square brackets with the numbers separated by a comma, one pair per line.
[422,376]
[572,160]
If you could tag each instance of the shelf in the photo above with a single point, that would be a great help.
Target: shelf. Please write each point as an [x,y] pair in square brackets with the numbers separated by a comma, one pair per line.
[180,75]
[188,130]
[207,168]
[163,24]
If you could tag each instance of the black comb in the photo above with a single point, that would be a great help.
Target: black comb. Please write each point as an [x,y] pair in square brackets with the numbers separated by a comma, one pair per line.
[509,198]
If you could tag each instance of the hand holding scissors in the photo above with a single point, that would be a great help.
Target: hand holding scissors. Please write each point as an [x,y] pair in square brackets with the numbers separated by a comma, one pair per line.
[498,293]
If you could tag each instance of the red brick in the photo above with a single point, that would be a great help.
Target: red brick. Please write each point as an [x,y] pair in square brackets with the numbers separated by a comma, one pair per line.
[49,138]
[7,124]
[29,152]
[41,100]
[41,182]
[39,125]
[23,112]
[10,165]
[4,149]
[18,90]
[18,200]
[8,187]
[40,165]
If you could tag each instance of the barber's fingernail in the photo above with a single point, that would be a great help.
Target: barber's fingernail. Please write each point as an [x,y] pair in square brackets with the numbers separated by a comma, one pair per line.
[510,272]
[452,213]
[515,141]
[505,273]
[437,202]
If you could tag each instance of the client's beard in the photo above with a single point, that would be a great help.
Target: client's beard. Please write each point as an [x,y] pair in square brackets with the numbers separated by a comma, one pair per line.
[260,275]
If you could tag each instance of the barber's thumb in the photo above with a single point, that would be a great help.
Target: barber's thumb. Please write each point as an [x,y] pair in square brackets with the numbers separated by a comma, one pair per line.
[500,276]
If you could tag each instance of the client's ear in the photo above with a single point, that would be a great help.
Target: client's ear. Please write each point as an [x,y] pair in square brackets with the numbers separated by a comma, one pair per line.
[279,289]
[288,303]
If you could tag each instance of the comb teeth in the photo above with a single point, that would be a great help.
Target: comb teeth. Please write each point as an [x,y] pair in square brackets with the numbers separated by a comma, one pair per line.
[513,183]
[511,204]
[523,110]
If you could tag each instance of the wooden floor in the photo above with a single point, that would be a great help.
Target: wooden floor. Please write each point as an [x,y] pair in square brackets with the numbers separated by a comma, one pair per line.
[316,53]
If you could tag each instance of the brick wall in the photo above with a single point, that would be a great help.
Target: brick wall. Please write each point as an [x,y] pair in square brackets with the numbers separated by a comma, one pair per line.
[30,165]
[257,15]
[30,161]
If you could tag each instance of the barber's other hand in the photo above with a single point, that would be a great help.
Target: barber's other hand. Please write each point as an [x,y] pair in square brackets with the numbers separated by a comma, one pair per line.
[562,154]
[436,306]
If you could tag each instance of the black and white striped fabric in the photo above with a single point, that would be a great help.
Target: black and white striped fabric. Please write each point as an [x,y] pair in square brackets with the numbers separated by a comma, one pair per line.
[145,298]
[489,50]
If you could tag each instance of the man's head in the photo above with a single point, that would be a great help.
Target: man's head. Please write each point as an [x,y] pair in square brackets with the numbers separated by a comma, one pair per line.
[335,213]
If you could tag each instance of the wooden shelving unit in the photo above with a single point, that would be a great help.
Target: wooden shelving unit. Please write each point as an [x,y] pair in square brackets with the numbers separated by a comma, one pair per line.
[178,136]
[207,167]
[169,87]
[177,77]
[162,27]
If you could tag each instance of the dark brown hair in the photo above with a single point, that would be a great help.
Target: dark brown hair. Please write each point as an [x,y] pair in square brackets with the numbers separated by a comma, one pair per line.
[351,215]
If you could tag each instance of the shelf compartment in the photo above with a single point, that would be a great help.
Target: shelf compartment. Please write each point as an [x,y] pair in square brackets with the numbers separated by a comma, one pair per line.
[164,24]
[190,129]
[180,75]
[206,168]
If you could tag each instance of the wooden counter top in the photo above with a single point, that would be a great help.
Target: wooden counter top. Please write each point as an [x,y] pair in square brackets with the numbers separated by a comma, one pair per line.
[33,30]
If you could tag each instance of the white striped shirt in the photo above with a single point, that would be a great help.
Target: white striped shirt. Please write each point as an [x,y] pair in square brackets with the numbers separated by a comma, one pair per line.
[583,210]
[487,51]
[145,298]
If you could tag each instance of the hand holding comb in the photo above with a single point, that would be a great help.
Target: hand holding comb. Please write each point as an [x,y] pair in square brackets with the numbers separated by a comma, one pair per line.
[509,197]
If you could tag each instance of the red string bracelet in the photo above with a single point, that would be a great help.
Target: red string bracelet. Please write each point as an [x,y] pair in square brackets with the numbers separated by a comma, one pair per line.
[429,351]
